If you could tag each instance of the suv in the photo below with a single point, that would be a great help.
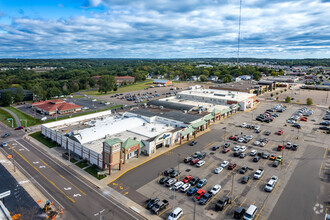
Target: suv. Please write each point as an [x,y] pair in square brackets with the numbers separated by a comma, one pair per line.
[160,206]
[201,155]
[170,182]
[194,181]
[201,183]
[152,202]
[168,171]
[187,159]
[222,203]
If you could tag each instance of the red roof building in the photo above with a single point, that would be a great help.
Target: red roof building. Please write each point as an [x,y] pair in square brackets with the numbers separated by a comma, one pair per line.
[51,107]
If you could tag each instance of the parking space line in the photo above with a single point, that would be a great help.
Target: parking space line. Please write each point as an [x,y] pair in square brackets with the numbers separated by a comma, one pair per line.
[276,186]
[259,181]
[288,165]
[214,198]
[260,212]
[254,203]
[243,201]
[164,211]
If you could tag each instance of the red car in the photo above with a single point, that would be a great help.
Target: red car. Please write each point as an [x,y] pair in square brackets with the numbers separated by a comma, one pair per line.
[232,137]
[280,132]
[232,166]
[194,161]
[187,179]
[225,150]
[280,147]
[19,128]
[303,119]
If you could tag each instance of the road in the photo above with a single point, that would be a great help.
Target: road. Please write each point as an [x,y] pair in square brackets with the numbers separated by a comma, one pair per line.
[78,198]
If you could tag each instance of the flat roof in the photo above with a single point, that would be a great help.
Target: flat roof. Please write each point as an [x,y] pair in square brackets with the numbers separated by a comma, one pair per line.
[171,105]
[243,85]
[217,94]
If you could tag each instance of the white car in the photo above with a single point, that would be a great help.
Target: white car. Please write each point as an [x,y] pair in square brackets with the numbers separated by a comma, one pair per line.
[290,121]
[274,178]
[200,163]
[185,187]
[244,125]
[240,140]
[253,153]
[177,185]
[85,108]
[176,214]
[4,144]
[256,143]
[215,189]
[262,144]
[243,149]
[224,164]
[257,127]
[258,174]
[236,148]
[218,170]
[288,145]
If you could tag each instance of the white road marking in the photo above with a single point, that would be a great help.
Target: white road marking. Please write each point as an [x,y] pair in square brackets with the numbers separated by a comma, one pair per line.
[69,188]
[42,166]
[20,149]
[76,195]
[21,145]
[36,162]
[23,181]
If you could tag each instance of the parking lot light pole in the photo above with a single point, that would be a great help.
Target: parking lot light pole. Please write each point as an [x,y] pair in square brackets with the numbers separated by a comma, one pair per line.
[194,209]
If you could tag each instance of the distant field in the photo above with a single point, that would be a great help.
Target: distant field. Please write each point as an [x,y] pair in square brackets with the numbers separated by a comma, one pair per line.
[128,88]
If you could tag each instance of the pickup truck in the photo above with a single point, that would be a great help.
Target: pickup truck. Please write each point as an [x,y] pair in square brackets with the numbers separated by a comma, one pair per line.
[258,174]
[160,206]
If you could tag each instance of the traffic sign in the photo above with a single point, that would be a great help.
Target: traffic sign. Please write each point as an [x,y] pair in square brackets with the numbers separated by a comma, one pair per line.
[4,194]
[9,156]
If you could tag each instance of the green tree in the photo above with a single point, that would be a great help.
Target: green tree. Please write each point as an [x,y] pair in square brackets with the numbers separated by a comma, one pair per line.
[273,73]
[309,101]
[6,98]
[203,78]
[288,99]
[19,94]
[225,80]
[106,83]
[52,92]
[256,75]
[271,94]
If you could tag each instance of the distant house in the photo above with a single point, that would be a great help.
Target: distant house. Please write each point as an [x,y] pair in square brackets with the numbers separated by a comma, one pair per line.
[176,78]
[245,77]
[28,95]
[237,79]
[162,82]
[127,79]
[212,78]
[51,107]
[158,77]
[195,78]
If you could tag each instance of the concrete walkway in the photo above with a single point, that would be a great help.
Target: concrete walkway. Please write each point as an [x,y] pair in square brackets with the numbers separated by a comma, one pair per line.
[18,122]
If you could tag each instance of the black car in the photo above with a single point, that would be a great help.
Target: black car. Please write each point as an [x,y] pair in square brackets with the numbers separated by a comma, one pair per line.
[276,163]
[152,202]
[324,128]
[205,198]
[187,159]
[193,143]
[163,180]
[294,147]
[194,181]
[168,171]
[296,125]
[175,173]
[245,179]
[265,156]
[214,148]
[256,159]
[325,123]
[222,203]
[239,213]
[237,153]
[243,169]
[260,154]
[201,155]
[267,133]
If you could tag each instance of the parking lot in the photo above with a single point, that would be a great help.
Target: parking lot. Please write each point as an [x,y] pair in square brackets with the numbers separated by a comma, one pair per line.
[252,192]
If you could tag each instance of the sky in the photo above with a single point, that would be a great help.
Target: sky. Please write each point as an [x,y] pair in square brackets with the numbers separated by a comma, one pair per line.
[289,29]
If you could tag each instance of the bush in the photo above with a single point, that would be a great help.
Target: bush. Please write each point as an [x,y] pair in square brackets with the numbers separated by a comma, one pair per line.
[309,101]
[288,99]
[271,94]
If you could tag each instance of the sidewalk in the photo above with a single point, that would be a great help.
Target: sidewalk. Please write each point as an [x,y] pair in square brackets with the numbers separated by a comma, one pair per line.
[26,182]
[57,154]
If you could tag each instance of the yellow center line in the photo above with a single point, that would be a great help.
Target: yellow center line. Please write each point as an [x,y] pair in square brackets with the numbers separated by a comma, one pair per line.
[42,174]
[63,177]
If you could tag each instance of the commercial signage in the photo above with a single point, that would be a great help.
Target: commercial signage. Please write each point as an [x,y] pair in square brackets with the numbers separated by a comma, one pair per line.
[133,148]
[163,137]
[5,194]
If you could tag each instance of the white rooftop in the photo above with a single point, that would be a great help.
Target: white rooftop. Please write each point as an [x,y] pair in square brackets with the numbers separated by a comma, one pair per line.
[217,94]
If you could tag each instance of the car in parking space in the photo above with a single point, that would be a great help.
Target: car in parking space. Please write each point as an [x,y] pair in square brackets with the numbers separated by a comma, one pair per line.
[237,153]
[256,159]
[168,171]
[290,121]
[152,202]
[296,125]
[5,135]
[177,185]
[260,154]
[241,140]
[199,194]
[192,191]
[163,179]
[187,159]
[216,147]
[201,155]
[327,123]
[224,164]
[232,165]
[253,152]
[236,148]
[294,147]
[242,155]
[201,183]
[273,157]
[160,206]
[242,149]
[239,213]
[227,144]
[194,181]
[185,187]
[303,119]
[170,182]
[244,169]
[280,132]
[194,161]
[193,143]
[232,137]
[187,179]
[258,174]
[265,156]
[216,188]
[225,150]
[256,143]
[176,214]
[288,145]
[276,163]
[175,173]
[195,155]
[218,170]
[200,163]
[205,198]
[271,184]
[279,158]
[4,144]
[222,203]
[244,125]
[324,128]
[280,147]
[245,179]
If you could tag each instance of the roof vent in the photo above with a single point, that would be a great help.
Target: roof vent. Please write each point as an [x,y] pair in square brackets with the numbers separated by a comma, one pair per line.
[167,125]
[153,129]
[134,138]
[144,124]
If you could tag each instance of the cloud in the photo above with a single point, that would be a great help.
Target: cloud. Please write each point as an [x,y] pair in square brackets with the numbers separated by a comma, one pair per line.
[60,5]
[170,29]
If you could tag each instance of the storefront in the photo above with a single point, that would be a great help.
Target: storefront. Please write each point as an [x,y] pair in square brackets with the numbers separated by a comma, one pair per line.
[131,149]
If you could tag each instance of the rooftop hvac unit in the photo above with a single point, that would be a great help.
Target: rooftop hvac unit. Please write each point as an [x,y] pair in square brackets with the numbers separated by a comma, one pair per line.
[144,124]
[153,129]
[167,125]
[134,138]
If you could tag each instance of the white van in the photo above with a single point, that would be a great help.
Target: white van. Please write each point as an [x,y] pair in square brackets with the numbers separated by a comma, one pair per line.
[250,213]
[176,214]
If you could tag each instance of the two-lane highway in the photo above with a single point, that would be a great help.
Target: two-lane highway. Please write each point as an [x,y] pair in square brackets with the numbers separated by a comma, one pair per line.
[78,198]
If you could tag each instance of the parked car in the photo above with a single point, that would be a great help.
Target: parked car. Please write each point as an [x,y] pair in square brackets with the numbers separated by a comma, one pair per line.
[273,157]
[239,213]
[194,181]
[296,125]
[192,191]
[258,174]
[265,156]
[276,163]
[243,149]
[193,143]
[19,128]
[243,170]
[199,194]
[216,147]
[280,147]
[215,189]
[324,128]
[253,153]
[194,161]
[245,179]
[242,155]
[256,159]
[218,170]
[222,203]
[163,179]
[4,144]
[224,164]
[270,185]
[205,198]
[187,179]
[175,173]
[201,155]
[227,144]
[168,171]
[5,135]
[161,205]
[187,159]
[170,182]
[195,155]
[177,185]
[225,150]
[280,132]
[279,158]
[176,214]
[294,147]
[185,187]
[152,202]
[231,166]
[201,183]
[200,163]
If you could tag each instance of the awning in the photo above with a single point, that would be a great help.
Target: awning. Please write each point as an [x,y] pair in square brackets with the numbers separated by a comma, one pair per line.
[224,111]
[198,124]
[208,117]
[215,111]
[186,131]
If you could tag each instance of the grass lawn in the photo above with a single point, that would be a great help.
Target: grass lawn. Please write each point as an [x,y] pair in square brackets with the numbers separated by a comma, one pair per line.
[128,88]
[92,170]
[82,164]
[46,141]
[3,117]
[23,116]
[72,160]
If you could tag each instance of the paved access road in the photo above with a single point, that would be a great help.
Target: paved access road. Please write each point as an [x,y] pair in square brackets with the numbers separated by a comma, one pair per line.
[78,198]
